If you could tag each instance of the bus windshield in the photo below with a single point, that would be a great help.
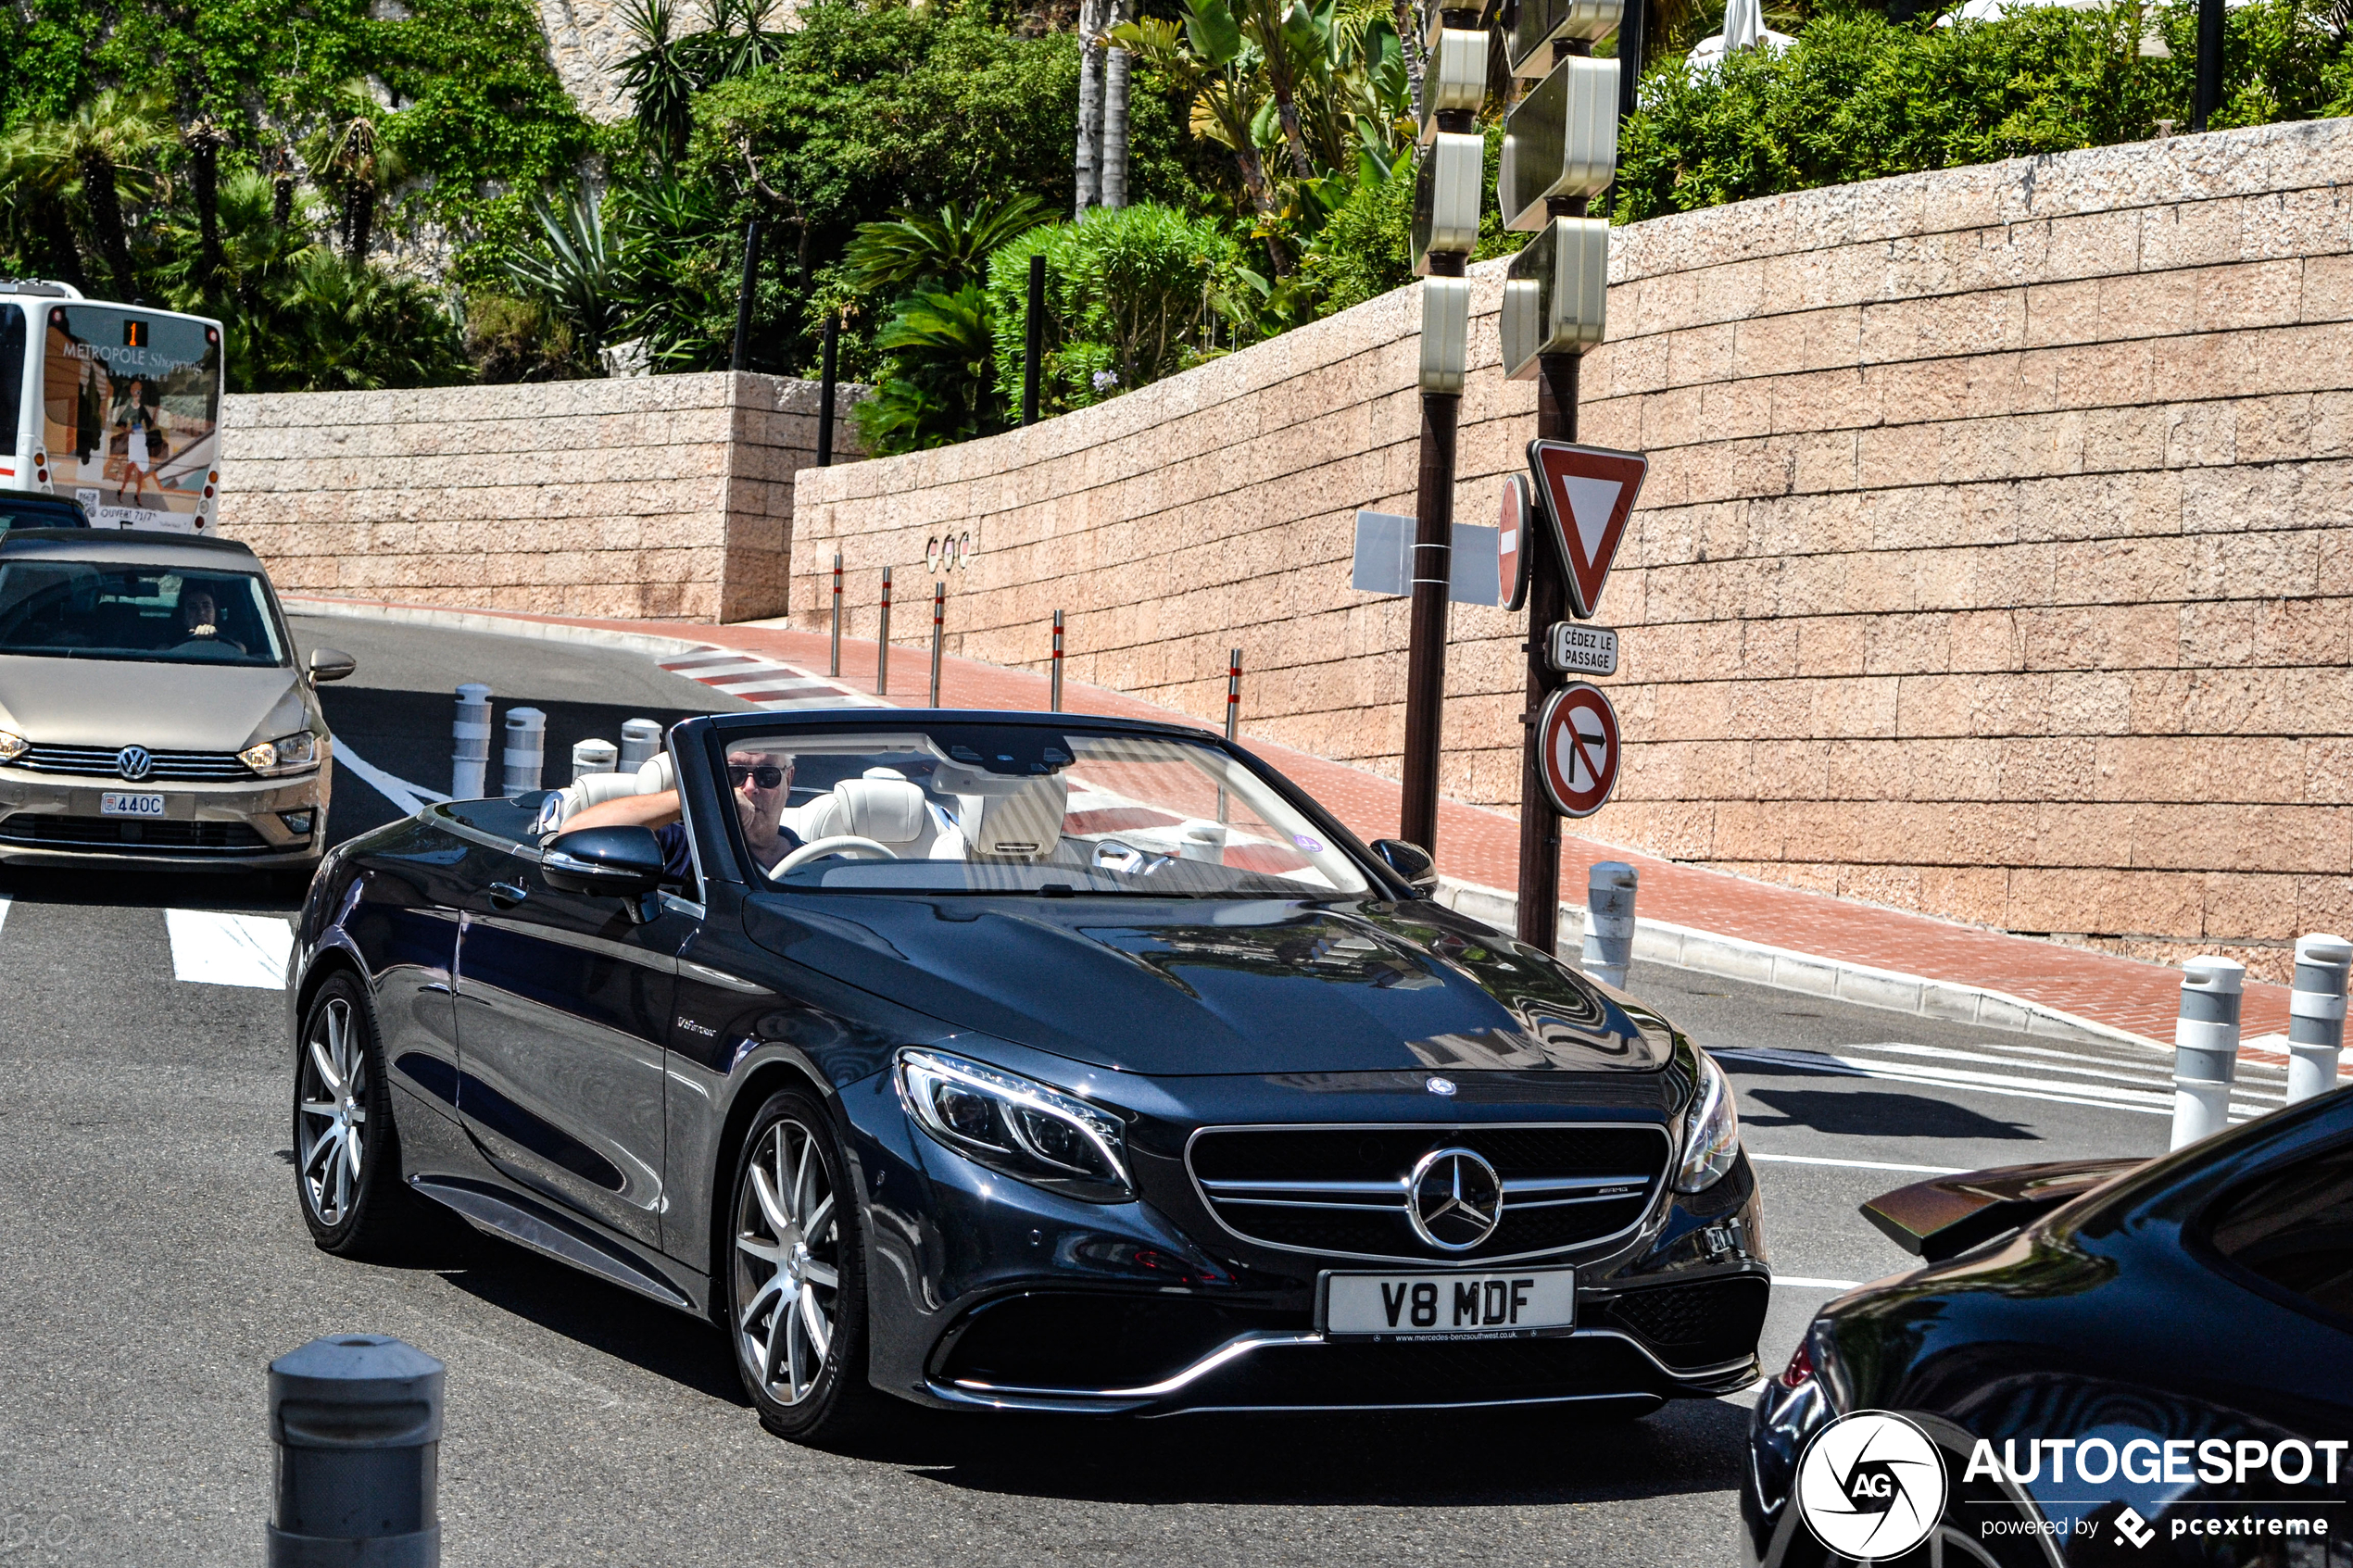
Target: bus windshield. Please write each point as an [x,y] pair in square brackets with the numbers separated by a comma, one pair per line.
[131,405]
[90,609]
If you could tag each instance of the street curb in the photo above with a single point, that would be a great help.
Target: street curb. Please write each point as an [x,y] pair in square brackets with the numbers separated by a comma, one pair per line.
[491,622]
[1733,957]
[1680,947]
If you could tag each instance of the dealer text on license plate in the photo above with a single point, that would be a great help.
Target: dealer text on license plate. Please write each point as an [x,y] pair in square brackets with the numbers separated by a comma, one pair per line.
[112,804]
[1421,1306]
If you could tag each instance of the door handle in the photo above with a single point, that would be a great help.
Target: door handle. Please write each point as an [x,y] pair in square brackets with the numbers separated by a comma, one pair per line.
[506,895]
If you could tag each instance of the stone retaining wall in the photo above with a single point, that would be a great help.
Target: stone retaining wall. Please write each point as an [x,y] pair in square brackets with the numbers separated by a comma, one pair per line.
[659,495]
[1994,561]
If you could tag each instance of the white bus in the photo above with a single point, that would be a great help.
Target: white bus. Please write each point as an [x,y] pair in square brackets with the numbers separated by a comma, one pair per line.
[116,406]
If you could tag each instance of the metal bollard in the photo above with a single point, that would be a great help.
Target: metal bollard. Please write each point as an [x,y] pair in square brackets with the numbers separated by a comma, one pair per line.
[355,1420]
[1233,693]
[2316,1015]
[1054,699]
[938,634]
[527,752]
[2206,1048]
[1609,922]
[882,642]
[835,668]
[594,757]
[640,739]
[470,744]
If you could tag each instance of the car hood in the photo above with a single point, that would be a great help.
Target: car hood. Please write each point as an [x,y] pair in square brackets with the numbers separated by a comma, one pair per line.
[162,706]
[1263,987]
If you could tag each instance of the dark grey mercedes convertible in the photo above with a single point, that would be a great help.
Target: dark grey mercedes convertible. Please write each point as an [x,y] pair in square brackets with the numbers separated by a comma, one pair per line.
[1025,1062]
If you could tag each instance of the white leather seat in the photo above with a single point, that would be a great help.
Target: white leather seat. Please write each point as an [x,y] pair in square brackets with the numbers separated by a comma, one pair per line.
[883,806]
[595,788]
[1024,825]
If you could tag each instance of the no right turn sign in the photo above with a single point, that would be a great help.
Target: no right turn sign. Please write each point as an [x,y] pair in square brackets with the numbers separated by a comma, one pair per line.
[1579,749]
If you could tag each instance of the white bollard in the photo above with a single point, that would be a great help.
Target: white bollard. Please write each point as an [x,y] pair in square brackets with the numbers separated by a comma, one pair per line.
[1609,922]
[470,744]
[527,752]
[2316,1015]
[2206,1048]
[594,757]
[640,738]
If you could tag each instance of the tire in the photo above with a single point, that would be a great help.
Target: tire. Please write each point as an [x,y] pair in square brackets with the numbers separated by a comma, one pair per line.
[354,1207]
[795,1276]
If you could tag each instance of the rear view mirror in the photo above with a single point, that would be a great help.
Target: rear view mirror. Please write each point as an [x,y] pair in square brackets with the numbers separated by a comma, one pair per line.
[1411,862]
[330,664]
[615,863]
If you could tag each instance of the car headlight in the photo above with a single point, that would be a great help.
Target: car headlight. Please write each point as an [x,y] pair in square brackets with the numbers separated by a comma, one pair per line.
[1016,1126]
[285,754]
[12,746]
[1711,1128]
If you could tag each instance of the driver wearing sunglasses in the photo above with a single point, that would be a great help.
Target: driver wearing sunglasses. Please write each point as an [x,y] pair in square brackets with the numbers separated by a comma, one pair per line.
[762,784]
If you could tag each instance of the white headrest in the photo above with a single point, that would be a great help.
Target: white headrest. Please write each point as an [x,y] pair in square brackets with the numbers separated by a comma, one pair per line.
[1024,825]
[656,774]
[886,811]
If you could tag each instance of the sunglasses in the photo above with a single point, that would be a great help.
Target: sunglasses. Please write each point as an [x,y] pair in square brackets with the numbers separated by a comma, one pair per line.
[767,775]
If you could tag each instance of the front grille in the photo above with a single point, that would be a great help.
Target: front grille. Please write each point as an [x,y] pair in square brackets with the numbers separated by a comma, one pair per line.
[1342,1190]
[109,835]
[99,761]
[1705,1323]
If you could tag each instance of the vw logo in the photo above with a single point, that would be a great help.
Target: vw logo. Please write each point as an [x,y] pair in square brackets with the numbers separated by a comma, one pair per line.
[1455,1199]
[133,763]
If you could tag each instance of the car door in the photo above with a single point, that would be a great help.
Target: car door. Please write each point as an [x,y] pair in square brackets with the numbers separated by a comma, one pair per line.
[563,1008]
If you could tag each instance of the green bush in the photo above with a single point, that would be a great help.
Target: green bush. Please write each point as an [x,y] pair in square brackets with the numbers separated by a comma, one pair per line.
[1858,96]
[1129,297]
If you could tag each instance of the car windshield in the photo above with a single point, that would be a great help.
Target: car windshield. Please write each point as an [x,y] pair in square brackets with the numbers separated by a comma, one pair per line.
[39,511]
[171,615]
[1023,808]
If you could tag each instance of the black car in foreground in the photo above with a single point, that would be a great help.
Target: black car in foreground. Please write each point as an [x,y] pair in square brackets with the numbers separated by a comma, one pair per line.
[1022,1061]
[2143,1361]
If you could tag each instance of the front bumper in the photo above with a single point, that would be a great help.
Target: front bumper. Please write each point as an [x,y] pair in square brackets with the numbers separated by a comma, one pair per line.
[54,819]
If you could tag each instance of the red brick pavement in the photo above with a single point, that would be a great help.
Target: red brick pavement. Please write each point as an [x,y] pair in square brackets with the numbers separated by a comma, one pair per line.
[1483,847]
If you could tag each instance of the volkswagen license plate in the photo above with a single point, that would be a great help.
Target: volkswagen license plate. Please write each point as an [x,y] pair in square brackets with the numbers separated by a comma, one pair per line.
[115,804]
[1504,1305]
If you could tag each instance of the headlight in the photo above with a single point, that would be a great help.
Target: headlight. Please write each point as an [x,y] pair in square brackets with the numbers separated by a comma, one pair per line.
[1711,1128]
[301,749]
[12,746]
[1024,1129]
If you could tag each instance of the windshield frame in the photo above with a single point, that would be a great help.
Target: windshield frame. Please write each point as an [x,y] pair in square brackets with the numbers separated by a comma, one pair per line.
[711,737]
[272,614]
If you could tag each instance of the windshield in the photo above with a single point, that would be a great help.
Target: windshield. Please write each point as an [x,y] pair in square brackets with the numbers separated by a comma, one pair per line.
[131,412]
[90,609]
[1014,808]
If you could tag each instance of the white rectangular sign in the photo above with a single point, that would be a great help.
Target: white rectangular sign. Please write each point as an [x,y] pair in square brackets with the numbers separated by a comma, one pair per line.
[1579,650]
[1384,559]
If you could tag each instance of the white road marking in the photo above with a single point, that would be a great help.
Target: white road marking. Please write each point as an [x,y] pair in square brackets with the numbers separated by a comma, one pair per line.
[1930,1077]
[216,948]
[406,798]
[1801,1283]
[1860,1164]
[781,685]
[4,911]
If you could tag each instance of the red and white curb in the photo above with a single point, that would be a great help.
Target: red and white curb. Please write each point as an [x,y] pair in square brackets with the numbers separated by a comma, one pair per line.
[763,682]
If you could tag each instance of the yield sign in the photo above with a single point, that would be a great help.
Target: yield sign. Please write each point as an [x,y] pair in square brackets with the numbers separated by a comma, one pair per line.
[1588,494]
[1578,747]
[1512,543]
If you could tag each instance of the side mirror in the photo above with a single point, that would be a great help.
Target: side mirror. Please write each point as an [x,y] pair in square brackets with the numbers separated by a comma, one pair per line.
[614,862]
[330,664]
[1411,862]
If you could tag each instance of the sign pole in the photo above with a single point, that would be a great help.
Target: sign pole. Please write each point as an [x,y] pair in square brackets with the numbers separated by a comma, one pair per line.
[1425,636]
[1539,825]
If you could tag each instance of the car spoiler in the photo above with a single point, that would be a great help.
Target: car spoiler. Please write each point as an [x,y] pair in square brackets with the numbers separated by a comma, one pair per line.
[1942,1218]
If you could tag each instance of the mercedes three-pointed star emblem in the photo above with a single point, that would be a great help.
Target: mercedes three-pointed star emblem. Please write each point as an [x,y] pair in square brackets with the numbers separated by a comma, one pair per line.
[1455,1199]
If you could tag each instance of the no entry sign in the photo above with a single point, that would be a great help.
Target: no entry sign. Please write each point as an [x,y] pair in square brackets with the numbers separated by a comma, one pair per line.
[1587,492]
[1512,543]
[1579,749]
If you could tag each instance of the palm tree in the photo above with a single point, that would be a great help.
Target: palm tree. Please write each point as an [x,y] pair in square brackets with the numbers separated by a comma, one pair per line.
[576,269]
[659,77]
[1211,61]
[35,178]
[349,157]
[949,250]
[94,148]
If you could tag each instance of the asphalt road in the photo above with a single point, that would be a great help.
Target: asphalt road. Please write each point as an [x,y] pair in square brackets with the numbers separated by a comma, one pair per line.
[152,1262]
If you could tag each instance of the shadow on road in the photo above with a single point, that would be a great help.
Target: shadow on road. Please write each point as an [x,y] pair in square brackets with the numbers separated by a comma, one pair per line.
[1871,1113]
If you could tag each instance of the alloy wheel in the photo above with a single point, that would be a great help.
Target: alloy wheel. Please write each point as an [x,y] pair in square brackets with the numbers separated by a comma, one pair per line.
[335,1113]
[787,1264]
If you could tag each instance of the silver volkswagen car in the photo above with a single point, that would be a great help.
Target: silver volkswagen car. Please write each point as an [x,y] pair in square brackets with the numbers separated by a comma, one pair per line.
[151,712]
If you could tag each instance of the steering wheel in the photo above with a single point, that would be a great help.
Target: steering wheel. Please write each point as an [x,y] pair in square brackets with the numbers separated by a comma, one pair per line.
[839,844]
